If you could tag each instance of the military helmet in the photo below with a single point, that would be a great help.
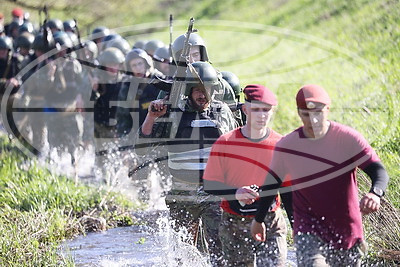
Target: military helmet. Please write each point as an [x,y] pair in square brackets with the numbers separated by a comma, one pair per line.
[201,73]
[194,39]
[55,24]
[121,44]
[62,40]
[69,25]
[6,43]
[151,46]
[111,55]
[139,44]
[111,37]
[91,47]
[100,32]
[40,44]
[26,27]
[233,81]
[73,37]
[162,54]
[138,53]
[25,40]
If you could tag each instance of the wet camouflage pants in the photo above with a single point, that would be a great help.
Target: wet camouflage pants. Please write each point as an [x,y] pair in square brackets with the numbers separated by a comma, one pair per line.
[312,251]
[240,249]
[187,208]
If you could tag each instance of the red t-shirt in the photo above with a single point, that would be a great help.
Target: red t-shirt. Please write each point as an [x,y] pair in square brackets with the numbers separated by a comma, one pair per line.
[237,161]
[323,175]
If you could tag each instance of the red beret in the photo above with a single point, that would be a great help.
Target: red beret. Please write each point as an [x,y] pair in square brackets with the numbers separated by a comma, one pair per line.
[257,92]
[17,12]
[310,93]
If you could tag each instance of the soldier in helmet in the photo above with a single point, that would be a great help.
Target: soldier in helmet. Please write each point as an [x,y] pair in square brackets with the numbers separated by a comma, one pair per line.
[98,35]
[138,90]
[36,86]
[162,61]
[10,65]
[151,46]
[23,43]
[139,44]
[88,55]
[198,52]
[106,86]
[234,82]
[120,43]
[55,25]
[64,80]
[189,138]
[69,26]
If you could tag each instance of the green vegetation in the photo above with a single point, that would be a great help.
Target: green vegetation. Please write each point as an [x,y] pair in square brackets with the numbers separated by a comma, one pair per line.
[38,210]
[349,47]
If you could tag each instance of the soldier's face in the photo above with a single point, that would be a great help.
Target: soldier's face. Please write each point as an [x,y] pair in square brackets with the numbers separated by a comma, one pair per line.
[3,53]
[258,114]
[199,98]
[194,54]
[112,69]
[138,67]
[315,121]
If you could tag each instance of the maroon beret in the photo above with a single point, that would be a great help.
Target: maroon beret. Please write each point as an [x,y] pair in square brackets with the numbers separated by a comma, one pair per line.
[260,93]
[310,93]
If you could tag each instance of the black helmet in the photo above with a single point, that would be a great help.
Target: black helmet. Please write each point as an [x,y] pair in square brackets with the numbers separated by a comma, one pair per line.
[69,25]
[139,44]
[111,37]
[201,73]
[25,27]
[62,40]
[55,24]
[138,53]
[6,43]
[25,40]
[40,44]
[162,54]
[194,39]
[121,44]
[100,32]
[111,55]
[151,46]
[233,81]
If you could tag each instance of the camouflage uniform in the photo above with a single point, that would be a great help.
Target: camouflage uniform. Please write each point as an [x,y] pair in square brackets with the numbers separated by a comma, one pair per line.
[189,139]
[240,248]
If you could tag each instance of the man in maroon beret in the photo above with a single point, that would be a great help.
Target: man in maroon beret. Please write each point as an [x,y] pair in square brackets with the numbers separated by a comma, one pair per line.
[321,159]
[237,166]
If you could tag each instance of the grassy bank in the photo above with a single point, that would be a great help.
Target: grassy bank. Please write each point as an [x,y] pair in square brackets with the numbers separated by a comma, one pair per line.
[361,71]
[38,210]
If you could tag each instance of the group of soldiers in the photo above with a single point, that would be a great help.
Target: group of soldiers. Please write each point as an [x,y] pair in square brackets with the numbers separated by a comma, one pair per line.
[170,106]
[71,93]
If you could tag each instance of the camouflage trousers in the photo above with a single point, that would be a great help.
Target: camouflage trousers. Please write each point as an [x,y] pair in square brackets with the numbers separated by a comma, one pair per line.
[189,209]
[240,249]
[312,251]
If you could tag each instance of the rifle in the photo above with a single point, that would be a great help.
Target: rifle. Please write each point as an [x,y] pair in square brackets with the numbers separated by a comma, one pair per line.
[45,31]
[178,87]
[170,38]
[80,45]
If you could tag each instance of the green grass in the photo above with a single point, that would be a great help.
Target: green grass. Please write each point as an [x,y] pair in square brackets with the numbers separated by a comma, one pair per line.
[349,47]
[39,209]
